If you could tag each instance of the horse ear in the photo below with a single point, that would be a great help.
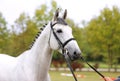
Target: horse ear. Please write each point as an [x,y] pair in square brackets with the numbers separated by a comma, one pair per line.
[65,14]
[56,14]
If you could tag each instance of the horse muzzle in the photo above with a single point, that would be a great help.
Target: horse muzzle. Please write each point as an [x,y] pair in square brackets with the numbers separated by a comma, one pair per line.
[73,55]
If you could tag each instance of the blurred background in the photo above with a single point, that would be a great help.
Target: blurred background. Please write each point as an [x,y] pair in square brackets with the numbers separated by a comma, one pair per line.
[95,23]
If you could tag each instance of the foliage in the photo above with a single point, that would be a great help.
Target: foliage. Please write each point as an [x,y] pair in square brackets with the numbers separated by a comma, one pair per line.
[103,34]
[4,34]
[44,14]
[98,40]
[27,31]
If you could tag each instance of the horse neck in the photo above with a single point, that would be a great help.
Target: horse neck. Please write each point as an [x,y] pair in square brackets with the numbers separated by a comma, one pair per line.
[40,54]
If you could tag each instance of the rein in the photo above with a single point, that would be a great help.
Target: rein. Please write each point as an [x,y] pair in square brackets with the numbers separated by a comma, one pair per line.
[94,69]
[66,56]
[65,53]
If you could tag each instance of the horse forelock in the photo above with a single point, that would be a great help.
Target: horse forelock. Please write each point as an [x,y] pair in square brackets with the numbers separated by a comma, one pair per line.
[61,21]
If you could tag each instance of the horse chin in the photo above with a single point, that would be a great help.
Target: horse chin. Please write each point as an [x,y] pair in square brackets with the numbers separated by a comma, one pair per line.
[73,57]
[70,56]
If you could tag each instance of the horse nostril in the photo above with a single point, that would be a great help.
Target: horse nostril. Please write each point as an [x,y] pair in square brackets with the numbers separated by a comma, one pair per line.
[75,53]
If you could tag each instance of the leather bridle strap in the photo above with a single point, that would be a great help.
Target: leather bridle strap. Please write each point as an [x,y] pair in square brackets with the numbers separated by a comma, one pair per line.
[64,51]
[68,63]
[62,45]
[58,40]
[94,69]
[65,43]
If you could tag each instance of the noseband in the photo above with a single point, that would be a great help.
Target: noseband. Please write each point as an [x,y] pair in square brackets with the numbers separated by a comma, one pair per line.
[62,45]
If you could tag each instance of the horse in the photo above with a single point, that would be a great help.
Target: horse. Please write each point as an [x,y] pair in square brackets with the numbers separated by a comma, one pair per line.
[34,63]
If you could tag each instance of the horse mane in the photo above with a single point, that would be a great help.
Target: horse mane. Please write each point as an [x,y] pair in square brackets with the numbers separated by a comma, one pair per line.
[37,35]
[58,20]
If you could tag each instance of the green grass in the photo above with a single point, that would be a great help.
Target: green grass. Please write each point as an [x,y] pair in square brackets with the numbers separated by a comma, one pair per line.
[90,76]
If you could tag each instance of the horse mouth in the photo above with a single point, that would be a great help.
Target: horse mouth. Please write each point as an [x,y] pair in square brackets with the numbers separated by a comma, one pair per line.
[73,57]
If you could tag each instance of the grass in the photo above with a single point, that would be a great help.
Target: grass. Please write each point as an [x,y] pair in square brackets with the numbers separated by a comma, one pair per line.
[90,76]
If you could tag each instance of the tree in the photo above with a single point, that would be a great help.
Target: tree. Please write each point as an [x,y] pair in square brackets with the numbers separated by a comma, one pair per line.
[44,13]
[26,31]
[103,34]
[4,35]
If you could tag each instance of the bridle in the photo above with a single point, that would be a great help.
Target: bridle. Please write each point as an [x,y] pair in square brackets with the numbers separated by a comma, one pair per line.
[65,53]
[61,45]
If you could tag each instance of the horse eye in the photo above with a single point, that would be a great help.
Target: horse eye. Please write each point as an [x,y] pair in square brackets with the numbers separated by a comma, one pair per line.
[59,31]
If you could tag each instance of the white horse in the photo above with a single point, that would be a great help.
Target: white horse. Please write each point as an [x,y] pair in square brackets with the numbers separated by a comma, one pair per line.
[34,64]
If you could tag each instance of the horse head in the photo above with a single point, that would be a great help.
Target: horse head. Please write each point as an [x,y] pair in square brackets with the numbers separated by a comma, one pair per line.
[62,38]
